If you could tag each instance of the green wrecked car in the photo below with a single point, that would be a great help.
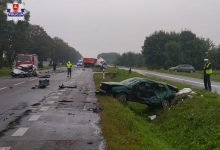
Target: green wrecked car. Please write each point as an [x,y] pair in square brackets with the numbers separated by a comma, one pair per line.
[141,90]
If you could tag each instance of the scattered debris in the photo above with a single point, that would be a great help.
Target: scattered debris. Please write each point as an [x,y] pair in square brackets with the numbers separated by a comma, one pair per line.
[43,83]
[95,110]
[184,91]
[193,93]
[44,76]
[36,104]
[190,96]
[152,117]
[63,86]
[71,114]
[65,101]
[90,142]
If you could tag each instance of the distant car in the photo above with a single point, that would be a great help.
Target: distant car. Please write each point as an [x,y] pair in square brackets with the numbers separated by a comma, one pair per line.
[79,64]
[141,90]
[183,68]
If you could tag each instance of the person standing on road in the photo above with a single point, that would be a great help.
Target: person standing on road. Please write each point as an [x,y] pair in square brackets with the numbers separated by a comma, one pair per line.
[207,74]
[69,66]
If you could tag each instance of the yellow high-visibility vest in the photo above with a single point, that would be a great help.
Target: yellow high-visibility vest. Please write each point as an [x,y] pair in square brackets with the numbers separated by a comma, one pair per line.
[69,65]
[208,71]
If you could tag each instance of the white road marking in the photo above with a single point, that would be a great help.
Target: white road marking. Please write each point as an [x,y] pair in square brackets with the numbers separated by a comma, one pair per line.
[34,118]
[19,83]
[62,90]
[1,90]
[59,93]
[84,108]
[33,79]
[179,79]
[44,108]
[50,102]
[20,132]
[5,148]
[55,97]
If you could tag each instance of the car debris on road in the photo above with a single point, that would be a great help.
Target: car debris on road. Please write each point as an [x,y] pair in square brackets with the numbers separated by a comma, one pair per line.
[64,86]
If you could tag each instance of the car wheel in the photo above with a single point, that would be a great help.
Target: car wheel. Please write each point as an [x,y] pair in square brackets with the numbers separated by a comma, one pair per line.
[122,97]
[165,104]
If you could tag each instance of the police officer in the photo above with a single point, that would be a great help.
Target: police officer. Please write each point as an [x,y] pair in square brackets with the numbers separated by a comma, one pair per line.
[207,73]
[69,66]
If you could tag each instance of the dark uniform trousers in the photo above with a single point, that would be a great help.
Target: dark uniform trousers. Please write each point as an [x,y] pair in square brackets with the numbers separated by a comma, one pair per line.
[207,82]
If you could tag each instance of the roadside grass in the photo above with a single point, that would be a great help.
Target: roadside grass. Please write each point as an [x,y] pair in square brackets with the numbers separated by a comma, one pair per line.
[198,74]
[5,72]
[191,124]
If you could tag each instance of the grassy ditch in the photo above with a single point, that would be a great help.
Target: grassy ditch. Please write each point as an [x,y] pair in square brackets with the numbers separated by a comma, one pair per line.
[191,124]
[5,72]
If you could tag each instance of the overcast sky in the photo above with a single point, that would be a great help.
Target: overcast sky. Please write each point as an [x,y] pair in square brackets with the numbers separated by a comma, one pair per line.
[95,26]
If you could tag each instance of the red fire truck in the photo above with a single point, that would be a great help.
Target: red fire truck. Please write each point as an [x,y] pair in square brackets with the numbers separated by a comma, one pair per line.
[26,59]
[89,62]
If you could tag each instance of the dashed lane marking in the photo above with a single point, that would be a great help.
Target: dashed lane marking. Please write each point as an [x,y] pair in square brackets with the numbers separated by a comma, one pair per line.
[62,90]
[50,102]
[1,90]
[44,108]
[19,83]
[33,79]
[20,132]
[5,148]
[55,97]
[34,118]
[84,108]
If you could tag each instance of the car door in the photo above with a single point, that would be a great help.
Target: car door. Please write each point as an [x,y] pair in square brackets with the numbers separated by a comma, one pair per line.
[143,91]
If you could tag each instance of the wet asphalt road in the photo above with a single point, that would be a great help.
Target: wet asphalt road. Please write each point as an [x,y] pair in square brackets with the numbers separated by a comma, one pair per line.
[181,79]
[51,118]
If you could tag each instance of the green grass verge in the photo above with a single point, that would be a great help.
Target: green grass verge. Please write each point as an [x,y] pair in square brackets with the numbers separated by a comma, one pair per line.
[192,124]
[5,72]
[198,74]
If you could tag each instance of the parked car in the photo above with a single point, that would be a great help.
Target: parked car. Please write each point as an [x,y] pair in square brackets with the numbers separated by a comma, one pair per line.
[141,90]
[183,68]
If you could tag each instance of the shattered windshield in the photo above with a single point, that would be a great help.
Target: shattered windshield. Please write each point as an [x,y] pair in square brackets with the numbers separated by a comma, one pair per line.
[131,81]
[23,58]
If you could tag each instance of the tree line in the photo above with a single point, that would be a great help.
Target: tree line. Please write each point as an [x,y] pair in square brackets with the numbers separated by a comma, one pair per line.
[26,38]
[162,50]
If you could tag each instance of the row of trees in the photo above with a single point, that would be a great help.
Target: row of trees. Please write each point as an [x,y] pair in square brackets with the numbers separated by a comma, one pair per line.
[24,37]
[166,49]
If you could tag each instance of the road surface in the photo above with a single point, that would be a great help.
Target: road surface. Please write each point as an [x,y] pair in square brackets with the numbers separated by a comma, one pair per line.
[50,118]
[181,79]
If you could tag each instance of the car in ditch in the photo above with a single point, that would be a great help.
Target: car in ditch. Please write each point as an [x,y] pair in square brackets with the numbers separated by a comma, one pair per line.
[141,90]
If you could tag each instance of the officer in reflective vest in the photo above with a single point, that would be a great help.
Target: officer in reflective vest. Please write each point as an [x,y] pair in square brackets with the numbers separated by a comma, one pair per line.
[69,66]
[207,73]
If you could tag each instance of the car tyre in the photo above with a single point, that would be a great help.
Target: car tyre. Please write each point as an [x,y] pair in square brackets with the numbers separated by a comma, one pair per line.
[122,97]
[165,104]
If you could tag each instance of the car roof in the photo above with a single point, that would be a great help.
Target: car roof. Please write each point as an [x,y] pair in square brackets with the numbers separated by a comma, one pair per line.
[146,80]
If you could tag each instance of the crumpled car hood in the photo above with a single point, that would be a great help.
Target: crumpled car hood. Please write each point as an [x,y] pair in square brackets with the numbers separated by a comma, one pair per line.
[112,83]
